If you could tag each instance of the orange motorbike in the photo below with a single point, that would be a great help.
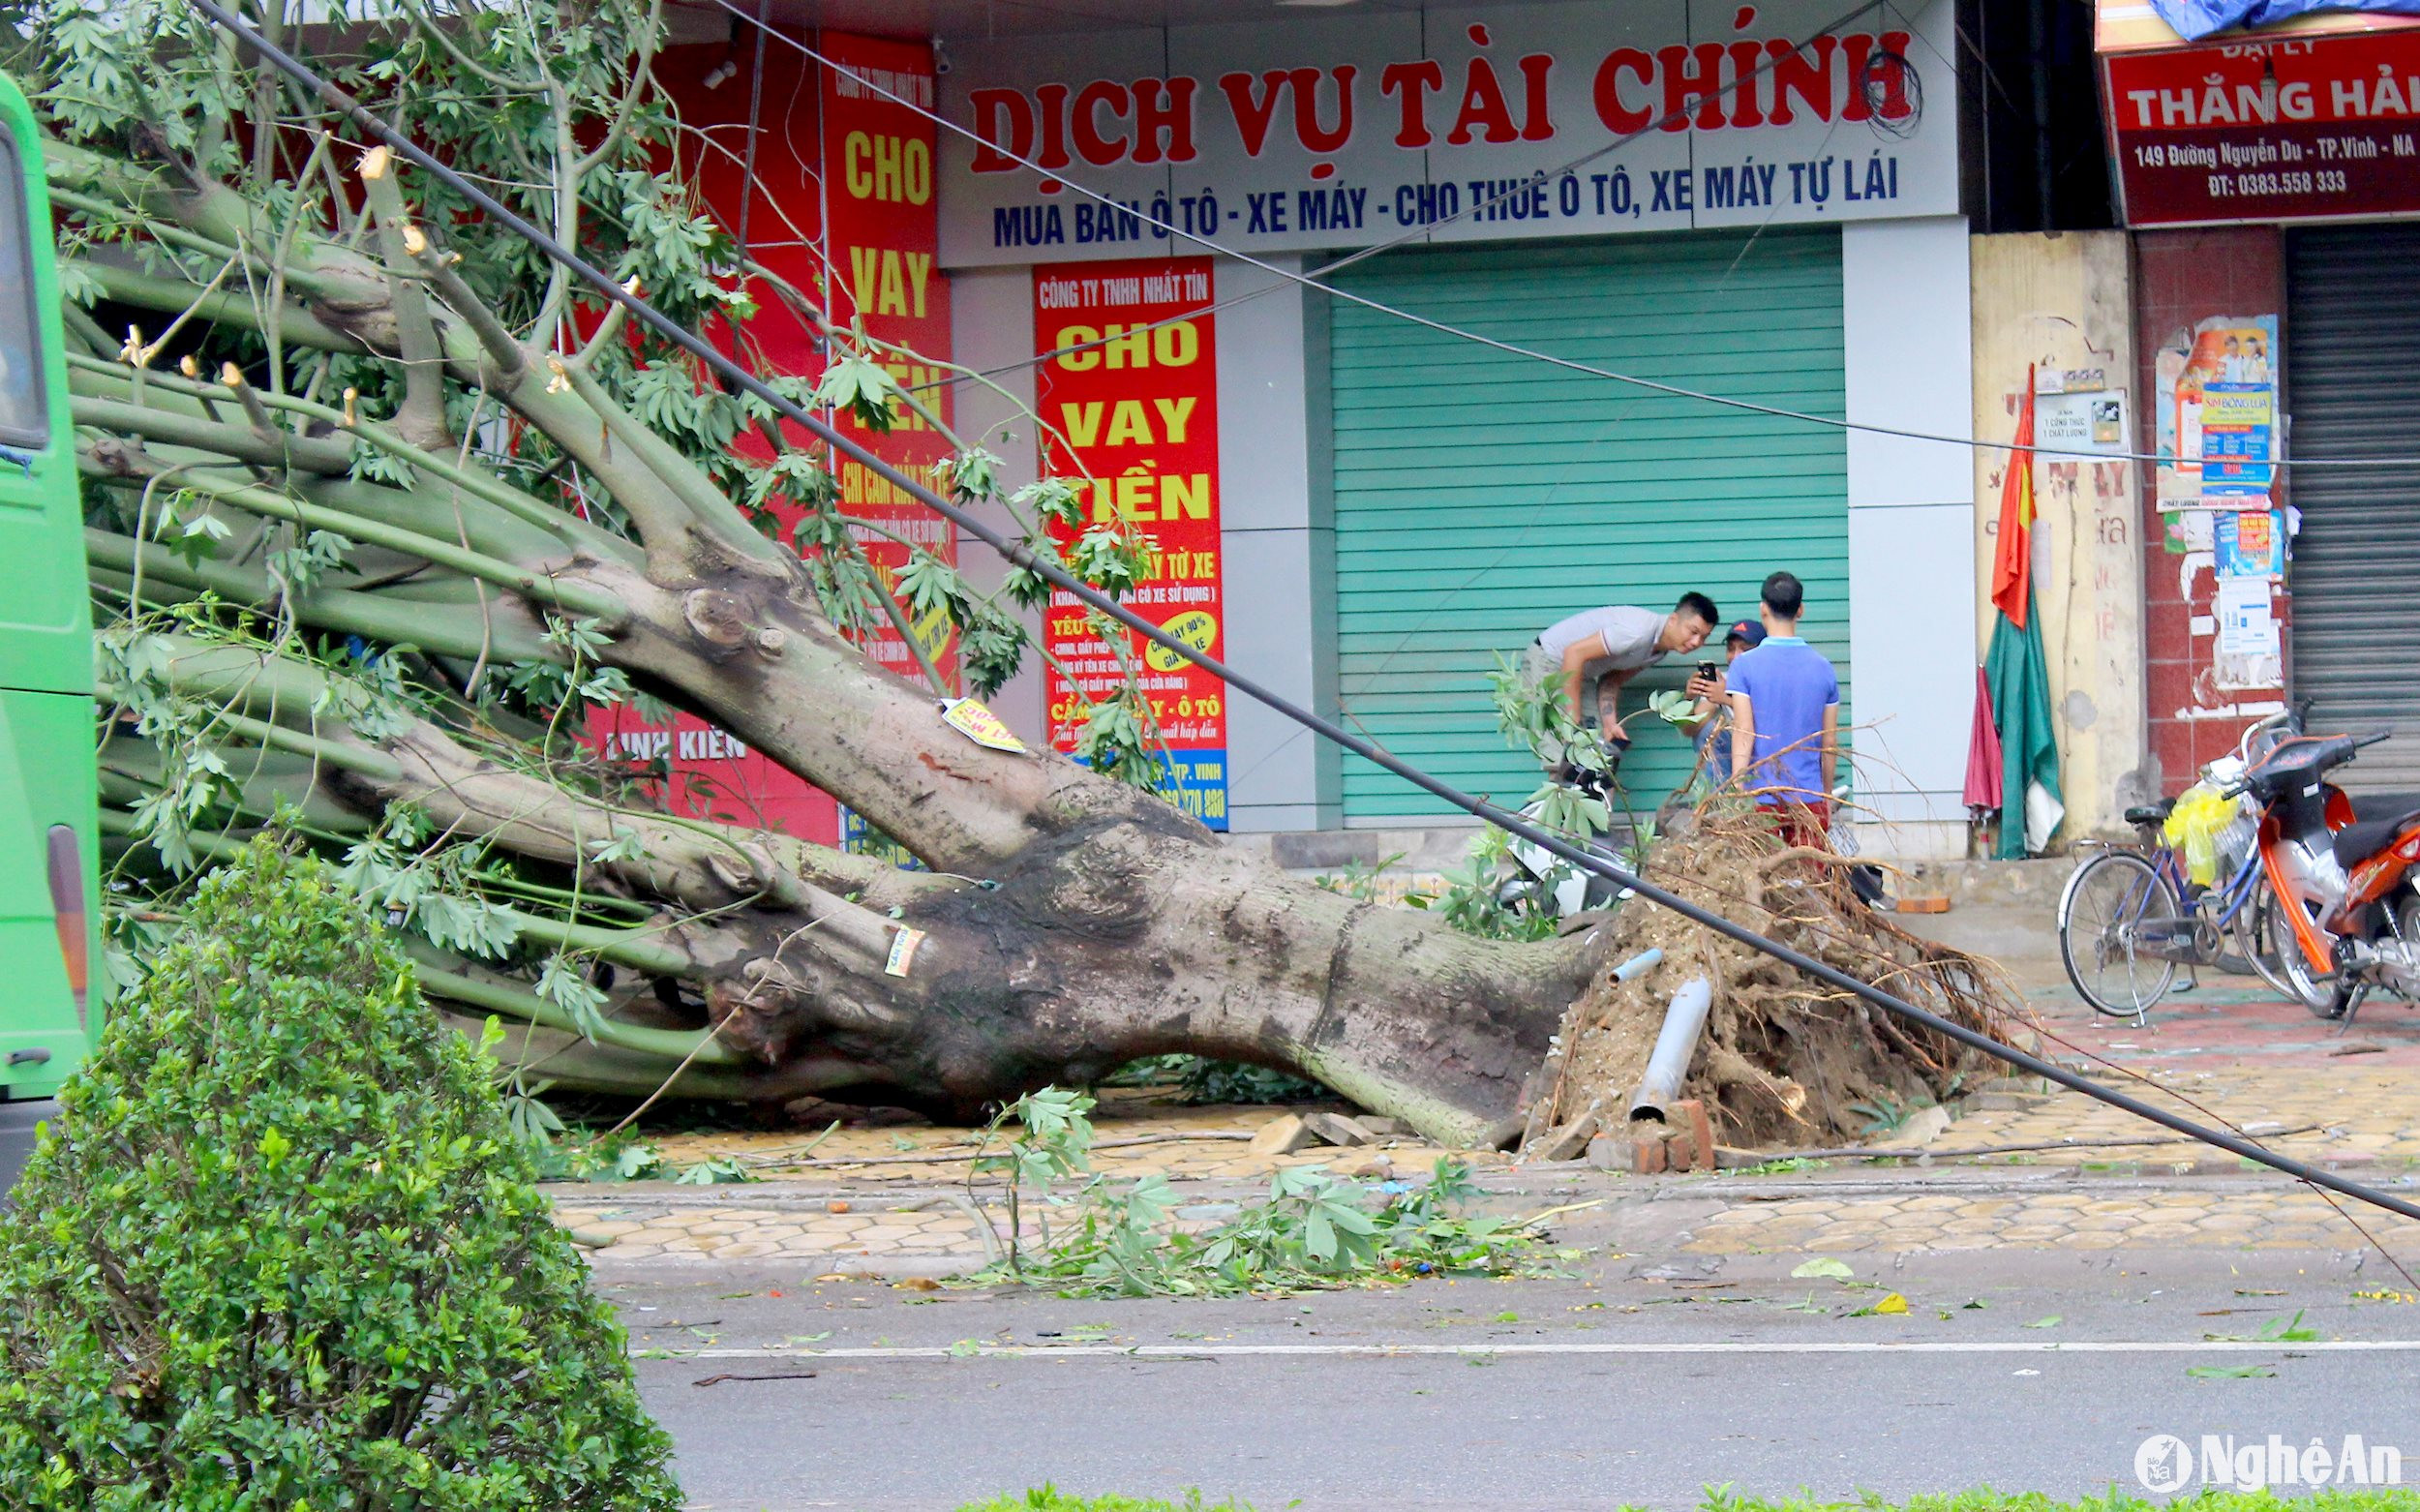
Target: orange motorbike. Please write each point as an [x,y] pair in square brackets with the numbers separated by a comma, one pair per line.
[2341,913]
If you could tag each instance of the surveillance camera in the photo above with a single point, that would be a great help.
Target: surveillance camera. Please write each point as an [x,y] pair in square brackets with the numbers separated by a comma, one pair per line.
[720,73]
[941,58]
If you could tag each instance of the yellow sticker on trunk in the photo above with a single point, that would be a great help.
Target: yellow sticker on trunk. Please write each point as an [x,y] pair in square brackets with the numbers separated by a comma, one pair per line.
[979,725]
[903,951]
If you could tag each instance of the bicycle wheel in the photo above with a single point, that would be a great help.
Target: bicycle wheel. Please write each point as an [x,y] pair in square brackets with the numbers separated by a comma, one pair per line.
[2255,938]
[2113,906]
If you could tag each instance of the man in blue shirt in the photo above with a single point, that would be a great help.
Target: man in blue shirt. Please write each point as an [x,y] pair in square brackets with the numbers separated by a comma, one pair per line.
[1785,713]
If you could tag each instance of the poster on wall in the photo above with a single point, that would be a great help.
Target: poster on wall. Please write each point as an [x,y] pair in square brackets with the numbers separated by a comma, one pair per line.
[1137,417]
[1283,132]
[2246,544]
[2250,653]
[2216,429]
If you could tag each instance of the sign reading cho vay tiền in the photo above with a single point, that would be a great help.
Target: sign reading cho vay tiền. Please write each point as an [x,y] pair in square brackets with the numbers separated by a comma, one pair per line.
[1340,131]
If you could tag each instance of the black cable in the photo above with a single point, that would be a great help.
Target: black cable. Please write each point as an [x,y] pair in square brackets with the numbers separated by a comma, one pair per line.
[1023,556]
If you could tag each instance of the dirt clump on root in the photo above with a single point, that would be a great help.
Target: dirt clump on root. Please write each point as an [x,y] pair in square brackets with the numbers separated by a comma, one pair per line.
[1785,1059]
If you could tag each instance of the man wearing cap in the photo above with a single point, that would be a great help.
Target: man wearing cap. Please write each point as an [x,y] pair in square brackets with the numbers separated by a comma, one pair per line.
[1606,648]
[1708,725]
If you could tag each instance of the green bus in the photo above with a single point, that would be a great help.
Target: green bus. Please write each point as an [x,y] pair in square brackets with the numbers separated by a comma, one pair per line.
[49,814]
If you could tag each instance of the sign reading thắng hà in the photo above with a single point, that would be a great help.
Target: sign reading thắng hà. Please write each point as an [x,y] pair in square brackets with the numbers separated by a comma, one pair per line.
[1275,134]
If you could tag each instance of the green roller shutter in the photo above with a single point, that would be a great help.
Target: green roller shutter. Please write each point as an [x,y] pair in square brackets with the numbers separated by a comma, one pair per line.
[1481,496]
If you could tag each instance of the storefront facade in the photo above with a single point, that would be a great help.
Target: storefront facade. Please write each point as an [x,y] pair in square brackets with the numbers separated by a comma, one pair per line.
[2263,177]
[1366,510]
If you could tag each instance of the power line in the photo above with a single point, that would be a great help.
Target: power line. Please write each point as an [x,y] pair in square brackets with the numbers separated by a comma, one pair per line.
[1312,281]
[1049,570]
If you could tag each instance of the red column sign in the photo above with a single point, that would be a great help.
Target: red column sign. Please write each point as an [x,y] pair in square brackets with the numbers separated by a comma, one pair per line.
[1140,415]
[843,207]
[883,236]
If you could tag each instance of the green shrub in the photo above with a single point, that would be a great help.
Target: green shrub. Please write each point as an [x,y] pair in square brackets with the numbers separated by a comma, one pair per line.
[279,1251]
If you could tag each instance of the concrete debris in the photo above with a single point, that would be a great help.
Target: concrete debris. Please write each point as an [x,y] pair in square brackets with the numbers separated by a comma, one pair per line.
[1282,1136]
[1920,1127]
[1337,1129]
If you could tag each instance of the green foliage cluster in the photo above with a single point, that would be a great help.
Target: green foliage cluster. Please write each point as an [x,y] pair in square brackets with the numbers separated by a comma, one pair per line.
[1200,1080]
[1314,1230]
[280,1250]
[182,165]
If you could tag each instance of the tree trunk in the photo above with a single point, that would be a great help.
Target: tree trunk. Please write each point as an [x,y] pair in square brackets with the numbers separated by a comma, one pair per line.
[1068,923]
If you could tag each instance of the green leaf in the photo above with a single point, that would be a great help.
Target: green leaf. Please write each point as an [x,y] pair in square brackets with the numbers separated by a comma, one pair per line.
[1822,1266]
[2228,1372]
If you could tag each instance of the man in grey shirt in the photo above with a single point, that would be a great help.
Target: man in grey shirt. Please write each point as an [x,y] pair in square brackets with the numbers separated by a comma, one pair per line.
[1606,648]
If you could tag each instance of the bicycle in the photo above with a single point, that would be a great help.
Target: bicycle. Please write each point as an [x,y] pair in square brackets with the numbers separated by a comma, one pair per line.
[2128,917]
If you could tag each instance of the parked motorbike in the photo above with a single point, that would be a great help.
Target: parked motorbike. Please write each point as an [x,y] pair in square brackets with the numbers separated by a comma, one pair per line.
[2342,915]
[1545,882]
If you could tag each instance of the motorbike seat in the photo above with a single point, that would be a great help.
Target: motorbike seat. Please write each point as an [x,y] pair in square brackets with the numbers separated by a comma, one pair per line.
[2364,838]
[2382,805]
[2150,813]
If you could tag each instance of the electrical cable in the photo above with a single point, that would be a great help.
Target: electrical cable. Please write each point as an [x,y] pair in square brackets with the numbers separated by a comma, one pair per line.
[1022,556]
[1311,281]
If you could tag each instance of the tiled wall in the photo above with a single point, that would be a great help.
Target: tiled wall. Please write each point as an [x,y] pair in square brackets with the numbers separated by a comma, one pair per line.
[2182,277]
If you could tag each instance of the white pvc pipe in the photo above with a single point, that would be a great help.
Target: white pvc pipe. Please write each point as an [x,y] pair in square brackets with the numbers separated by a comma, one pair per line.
[1653,955]
[1675,1048]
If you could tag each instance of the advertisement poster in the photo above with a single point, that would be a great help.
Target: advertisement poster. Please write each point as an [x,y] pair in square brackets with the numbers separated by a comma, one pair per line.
[2216,430]
[2301,128]
[1138,416]
[2250,653]
[1286,131]
[2080,423]
[2246,544]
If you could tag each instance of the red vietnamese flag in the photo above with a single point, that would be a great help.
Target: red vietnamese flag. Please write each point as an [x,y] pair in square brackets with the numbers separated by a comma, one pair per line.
[2013,561]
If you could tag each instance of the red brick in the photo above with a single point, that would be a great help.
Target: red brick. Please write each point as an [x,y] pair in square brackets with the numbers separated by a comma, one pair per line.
[2168,688]
[2172,745]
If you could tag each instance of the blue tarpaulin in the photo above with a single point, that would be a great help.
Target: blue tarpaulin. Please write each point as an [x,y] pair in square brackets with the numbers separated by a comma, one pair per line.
[2195,20]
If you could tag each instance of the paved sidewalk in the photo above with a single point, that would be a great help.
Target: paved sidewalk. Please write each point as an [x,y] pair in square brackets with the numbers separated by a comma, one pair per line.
[2023,1167]
[2174,1216]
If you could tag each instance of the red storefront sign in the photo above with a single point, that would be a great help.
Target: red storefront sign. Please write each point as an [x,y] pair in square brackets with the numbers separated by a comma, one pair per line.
[1138,416]
[842,208]
[2307,126]
[881,246]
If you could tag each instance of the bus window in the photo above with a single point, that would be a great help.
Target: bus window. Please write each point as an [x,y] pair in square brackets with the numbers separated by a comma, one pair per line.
[24,418]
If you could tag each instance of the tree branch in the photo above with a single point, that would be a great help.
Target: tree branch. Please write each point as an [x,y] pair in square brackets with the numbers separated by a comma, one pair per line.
[116,463]
[421,420]
[344,611]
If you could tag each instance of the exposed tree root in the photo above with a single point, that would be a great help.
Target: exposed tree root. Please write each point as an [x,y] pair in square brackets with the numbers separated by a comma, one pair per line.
[1785,1059]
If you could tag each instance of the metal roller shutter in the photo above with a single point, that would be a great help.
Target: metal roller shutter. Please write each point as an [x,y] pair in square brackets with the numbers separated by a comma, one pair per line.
[2353,323]
[1480,495]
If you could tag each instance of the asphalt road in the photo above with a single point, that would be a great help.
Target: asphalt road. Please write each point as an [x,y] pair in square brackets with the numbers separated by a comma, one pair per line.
[1617,1392]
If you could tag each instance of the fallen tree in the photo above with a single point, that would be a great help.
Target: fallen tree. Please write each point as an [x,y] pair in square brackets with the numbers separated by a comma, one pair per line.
[382,506]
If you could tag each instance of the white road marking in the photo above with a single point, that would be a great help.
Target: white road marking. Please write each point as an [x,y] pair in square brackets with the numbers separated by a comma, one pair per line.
[1101,1351]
